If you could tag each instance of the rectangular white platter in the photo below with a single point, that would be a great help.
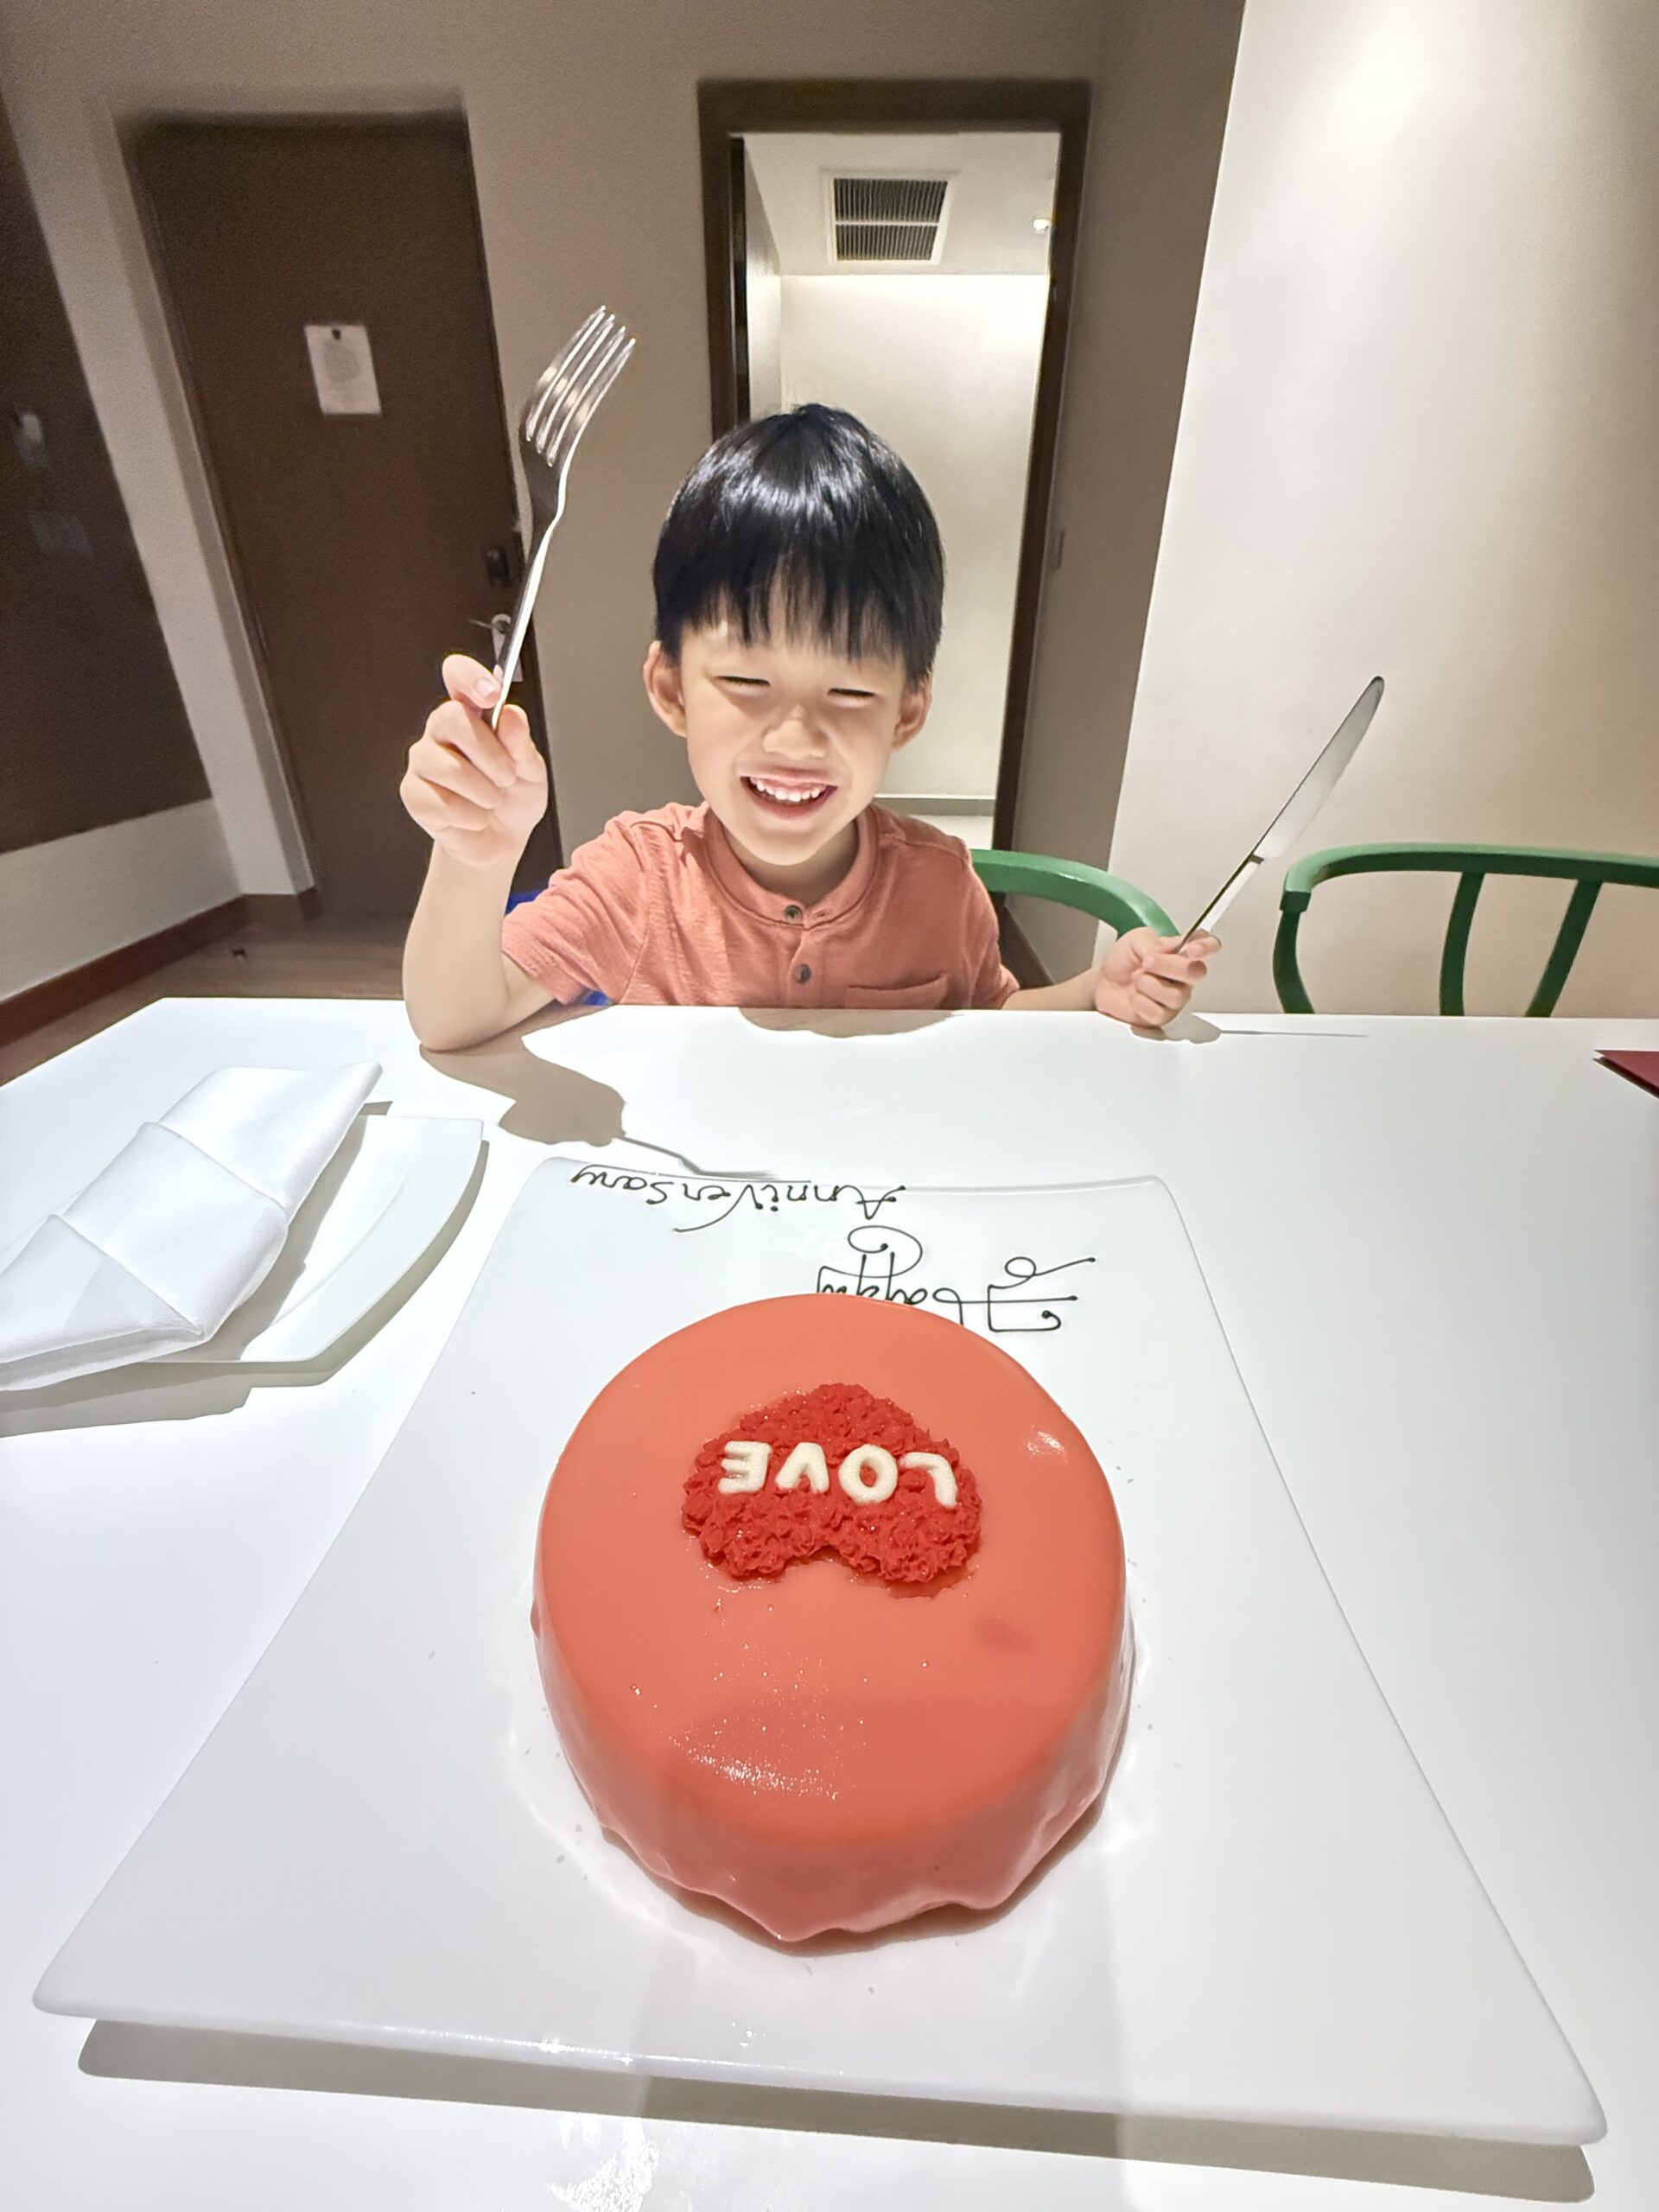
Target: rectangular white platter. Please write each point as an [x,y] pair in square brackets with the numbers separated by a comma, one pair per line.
[1270,1920]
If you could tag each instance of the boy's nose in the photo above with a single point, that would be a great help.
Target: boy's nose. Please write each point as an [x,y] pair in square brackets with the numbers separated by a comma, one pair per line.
[794,739]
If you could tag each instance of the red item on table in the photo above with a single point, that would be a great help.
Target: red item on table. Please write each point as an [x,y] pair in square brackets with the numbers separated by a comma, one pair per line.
[1635,1067]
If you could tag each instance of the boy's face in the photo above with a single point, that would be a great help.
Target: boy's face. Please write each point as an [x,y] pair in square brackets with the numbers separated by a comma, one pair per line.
[789,740]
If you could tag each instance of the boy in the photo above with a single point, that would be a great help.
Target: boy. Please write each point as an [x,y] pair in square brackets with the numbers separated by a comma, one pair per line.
[800,583]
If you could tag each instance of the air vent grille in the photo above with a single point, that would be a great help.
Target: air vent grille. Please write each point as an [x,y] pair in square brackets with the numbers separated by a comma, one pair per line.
[886,241]
[889,199]
[887,217]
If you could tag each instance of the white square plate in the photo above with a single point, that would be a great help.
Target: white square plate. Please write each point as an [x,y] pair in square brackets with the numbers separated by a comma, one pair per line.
[1270,1920]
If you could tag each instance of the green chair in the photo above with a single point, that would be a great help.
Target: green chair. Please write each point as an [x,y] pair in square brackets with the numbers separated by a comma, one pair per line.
[1471,865]
[1072,883]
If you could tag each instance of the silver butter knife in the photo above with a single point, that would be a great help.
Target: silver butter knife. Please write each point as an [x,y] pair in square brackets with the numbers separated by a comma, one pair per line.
[1303,803]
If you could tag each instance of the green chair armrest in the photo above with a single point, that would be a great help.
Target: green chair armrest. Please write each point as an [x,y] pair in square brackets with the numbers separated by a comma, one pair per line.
[1108,899]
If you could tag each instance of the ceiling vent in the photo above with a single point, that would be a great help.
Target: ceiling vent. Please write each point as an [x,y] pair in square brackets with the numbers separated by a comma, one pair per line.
[886,218]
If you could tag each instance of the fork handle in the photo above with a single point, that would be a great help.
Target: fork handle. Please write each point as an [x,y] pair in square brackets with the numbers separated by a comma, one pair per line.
[507,667]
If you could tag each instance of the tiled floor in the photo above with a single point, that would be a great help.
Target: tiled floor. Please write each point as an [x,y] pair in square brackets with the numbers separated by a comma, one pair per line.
[338,960]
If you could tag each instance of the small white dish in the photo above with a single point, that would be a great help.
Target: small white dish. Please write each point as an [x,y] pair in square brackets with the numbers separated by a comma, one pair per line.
[379,1203]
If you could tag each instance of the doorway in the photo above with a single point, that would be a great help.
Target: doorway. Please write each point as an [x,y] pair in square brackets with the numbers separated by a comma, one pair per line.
[325,282]
[906,251]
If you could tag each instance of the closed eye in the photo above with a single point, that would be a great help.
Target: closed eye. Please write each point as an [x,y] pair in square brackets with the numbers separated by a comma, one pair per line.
[746,682]
[846,691]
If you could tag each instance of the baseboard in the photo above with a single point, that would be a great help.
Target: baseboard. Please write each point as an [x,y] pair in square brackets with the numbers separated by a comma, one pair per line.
[1021,955]
[281,910]
[27,1011]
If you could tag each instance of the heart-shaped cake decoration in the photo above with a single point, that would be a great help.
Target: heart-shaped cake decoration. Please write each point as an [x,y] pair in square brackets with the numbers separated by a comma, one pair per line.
[833,1469]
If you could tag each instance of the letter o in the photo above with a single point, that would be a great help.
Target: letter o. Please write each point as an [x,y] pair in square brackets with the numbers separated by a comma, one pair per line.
[881,1482]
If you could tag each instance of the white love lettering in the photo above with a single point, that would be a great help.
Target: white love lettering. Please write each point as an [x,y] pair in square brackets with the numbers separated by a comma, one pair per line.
[869,1474]
[939,1471]
[744,1466]
[875,1487]
[806,1460]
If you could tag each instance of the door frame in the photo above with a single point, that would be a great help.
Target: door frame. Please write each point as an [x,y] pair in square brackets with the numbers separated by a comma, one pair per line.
[132,130]
[731,108]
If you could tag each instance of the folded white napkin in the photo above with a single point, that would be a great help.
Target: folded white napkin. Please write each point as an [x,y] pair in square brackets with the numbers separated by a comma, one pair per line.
[179,1229]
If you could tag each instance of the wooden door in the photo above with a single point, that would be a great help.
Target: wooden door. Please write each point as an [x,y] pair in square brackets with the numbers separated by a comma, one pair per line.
[365,544]
[92,730]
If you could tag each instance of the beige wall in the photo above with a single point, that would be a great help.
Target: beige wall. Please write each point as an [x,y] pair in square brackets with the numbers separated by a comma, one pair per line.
[1420,435]
[584,133]
[945,368]
[1160,102]
[73,900]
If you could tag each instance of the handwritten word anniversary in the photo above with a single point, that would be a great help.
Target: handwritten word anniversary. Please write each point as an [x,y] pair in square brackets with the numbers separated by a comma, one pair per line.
[730,1198]
[881,1260]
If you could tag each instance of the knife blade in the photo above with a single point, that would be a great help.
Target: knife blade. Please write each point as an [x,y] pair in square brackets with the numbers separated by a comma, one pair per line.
[1299,809]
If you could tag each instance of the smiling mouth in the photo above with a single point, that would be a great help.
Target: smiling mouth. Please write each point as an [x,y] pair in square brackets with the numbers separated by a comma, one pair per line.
[775,796]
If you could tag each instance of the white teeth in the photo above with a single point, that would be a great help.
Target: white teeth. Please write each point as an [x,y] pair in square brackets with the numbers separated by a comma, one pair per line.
[790,794]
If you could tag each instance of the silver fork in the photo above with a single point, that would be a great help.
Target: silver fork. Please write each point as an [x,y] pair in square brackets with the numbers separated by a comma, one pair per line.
[556,415]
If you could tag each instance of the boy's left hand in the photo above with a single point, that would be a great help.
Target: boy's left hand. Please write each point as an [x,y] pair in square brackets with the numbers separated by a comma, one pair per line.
[1145,981]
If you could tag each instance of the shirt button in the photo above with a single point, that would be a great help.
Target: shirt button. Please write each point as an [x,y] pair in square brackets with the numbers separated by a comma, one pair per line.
[792,913]
[803,973]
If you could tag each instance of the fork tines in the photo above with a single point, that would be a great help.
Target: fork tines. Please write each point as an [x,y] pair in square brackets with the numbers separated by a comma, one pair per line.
[573,385]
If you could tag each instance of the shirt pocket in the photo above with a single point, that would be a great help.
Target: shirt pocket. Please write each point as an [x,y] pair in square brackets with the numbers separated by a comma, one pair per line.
[898,998]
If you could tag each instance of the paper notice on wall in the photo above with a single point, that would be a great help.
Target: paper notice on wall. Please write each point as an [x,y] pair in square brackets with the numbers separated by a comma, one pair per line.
[343,368]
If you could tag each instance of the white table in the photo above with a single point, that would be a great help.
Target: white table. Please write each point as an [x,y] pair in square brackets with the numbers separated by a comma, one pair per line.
[1435,1247]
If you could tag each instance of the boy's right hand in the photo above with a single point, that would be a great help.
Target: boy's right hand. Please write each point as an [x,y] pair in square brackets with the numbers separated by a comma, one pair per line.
[477,793]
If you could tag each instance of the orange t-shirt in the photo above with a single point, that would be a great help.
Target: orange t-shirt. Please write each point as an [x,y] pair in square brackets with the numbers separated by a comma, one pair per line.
[658,910]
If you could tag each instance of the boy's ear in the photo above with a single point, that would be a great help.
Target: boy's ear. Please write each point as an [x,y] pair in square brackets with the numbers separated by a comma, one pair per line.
[913,711]
[665,687]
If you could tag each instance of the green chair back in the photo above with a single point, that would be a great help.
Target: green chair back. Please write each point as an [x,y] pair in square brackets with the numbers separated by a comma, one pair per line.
[1072,883]
[1471,865]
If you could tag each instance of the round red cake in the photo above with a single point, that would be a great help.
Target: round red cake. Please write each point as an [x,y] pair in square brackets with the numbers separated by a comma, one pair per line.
[829,1607]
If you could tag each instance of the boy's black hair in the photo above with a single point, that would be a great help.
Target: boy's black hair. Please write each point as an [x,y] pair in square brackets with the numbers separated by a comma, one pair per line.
[812,514]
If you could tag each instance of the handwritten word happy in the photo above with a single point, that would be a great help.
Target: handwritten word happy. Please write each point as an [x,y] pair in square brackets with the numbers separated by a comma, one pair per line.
[1024,1301]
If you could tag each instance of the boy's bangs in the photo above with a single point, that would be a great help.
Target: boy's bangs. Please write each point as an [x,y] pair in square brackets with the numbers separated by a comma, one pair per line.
[790,596]
[809,524]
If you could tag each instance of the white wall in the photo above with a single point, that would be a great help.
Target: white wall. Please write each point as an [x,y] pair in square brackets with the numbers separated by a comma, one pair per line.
[1420,435]
[945,368]
[998,182]
[583,123]
[70,901]
[73,169]
[763,301]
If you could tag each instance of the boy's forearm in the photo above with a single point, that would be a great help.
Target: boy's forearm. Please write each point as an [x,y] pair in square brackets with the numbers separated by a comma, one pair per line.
[1075,995]
[455,981]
